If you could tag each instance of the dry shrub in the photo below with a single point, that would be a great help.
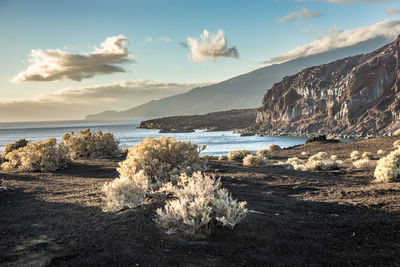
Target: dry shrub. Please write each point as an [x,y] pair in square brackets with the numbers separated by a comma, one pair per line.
[355,155]
[125,192]
[254,161]
[85,144]
[388,168]
[199,205]
[38,156]
[380,153]
[333,157]
[364,163]
[273,147]
[304,153]
[238,154]
[221,158]
[162,159]
[396,144]
[264,153]
[14,146]
[367,155]
[317,162]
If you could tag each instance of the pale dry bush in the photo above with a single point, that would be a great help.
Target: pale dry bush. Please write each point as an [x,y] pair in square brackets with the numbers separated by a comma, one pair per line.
[333,157]
[238,154]
[396,144]
[162,159]
[355,155]
[364,163]
[304,153]
[317,162]
[200,203]
[367,155]
[264,153]
[221,158]
[254,161]
[87,144]
[38,156]
[380,153]
[297,163]
[125,192]
[273,147]
[388,168]
[14,146]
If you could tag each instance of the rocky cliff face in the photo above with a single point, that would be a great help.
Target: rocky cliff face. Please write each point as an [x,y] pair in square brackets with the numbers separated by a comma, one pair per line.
[355,96]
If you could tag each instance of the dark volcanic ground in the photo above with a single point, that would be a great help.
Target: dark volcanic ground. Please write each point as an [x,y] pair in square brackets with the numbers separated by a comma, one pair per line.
[297,218]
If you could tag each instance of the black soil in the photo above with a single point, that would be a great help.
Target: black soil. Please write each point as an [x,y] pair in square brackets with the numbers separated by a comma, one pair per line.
[336,218]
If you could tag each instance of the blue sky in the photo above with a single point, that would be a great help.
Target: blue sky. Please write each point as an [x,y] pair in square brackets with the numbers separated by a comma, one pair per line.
[252,27]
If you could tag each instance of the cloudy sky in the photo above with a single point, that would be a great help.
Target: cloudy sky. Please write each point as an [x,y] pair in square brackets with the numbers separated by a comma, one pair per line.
[80,57]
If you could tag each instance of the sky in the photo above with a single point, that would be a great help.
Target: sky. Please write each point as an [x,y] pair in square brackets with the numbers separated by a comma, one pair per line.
[88,56]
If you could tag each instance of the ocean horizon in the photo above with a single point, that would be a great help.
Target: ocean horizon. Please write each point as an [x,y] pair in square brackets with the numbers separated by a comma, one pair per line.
[127,132]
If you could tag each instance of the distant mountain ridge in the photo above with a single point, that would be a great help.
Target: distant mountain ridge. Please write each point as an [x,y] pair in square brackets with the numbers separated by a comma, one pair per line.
[241,92]
[358,95]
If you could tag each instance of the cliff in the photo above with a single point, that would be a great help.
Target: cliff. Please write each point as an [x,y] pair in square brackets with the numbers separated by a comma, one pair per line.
[355,96]
[240,92]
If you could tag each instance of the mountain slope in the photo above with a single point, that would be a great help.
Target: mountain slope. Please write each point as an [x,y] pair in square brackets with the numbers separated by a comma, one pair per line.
[359,95]
[241,92]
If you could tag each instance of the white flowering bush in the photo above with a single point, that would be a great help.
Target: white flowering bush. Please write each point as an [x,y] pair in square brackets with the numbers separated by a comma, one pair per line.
[162,160]
[238,154]
[38,156]
[273,147]
[199,204]
[388,168]
[87,144]
[367,155]
[125,192]
[396,144]
[254,161]
[355,155]
[364,163]
[380,153]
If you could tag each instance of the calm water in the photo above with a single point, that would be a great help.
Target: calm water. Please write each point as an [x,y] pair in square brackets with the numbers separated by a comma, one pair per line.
[218,143]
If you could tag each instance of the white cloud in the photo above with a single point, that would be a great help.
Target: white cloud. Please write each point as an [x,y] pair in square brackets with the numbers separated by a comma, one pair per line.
[150,39]
[210,46]
[392,11]
[58,65]
[70,104]
[338,39]
[303,14]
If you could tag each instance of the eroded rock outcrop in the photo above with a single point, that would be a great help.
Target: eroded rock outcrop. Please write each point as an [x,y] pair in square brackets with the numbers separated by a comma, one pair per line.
[355,96]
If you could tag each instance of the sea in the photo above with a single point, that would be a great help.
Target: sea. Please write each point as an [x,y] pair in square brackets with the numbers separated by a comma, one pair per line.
[217,143]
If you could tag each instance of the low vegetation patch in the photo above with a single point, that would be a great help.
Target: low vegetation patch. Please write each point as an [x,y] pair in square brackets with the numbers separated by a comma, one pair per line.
[318,162]
[87,144]
[355,155]
[273,147]
[199,205]
[367,155]
[254,161]
[162,160]
[125,192]
[37,156]
[364,163]
[239,154]
[388,168]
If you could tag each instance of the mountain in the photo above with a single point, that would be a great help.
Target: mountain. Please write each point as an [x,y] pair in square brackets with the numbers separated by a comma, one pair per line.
[355,96]
[241,92]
